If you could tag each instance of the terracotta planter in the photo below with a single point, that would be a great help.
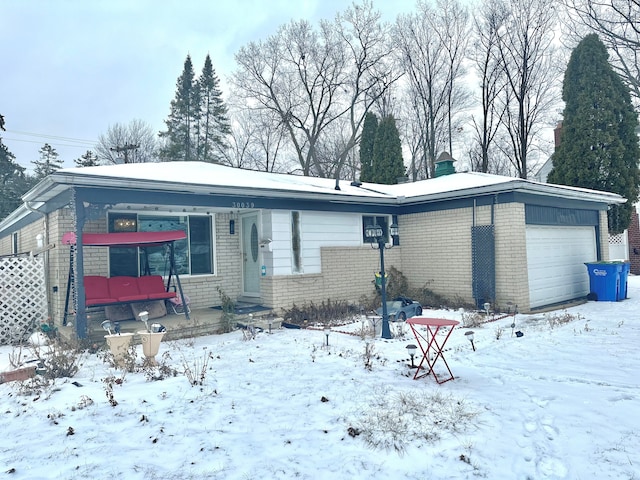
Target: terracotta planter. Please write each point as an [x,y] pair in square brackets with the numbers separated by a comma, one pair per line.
[150,344]
[18,375]
[119,346]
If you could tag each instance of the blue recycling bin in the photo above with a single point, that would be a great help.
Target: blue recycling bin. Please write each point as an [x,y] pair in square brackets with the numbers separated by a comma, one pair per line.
[624,275]
[604,280]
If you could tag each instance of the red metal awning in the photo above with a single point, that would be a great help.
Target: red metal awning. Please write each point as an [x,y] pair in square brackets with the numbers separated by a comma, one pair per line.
[125,239]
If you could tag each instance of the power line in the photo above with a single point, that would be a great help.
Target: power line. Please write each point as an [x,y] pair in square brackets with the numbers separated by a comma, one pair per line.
[57,144]
[53,137]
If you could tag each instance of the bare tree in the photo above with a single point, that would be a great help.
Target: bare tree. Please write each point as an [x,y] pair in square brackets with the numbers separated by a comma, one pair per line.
[257,141]
[526,51]
[452,26]
[365,38]
[432,45]
[488,68]
[132,143]
[617,23]
[310,78]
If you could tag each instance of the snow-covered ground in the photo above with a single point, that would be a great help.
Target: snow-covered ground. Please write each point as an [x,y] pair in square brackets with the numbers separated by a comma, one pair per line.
[560,402]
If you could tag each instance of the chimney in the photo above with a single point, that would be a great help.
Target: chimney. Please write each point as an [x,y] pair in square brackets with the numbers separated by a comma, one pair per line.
[557,132]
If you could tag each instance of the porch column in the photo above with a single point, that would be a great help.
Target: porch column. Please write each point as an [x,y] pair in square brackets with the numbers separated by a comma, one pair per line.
[81,312]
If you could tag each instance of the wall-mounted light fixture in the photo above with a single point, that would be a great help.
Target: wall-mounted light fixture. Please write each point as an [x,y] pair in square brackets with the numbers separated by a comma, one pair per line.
[125,225]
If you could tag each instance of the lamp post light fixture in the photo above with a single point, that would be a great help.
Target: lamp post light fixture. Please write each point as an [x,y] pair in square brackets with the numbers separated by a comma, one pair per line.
[327,331]
[469,336]
[144,317]
[377,234]
[411,348]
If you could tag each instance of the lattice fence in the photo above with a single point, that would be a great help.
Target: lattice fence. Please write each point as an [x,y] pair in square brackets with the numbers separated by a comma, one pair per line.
[619,239]
[23,297]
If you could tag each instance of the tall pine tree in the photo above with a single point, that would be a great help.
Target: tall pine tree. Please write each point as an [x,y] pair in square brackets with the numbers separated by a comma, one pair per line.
[197,123]
[213,121]
[599,144]
[48,162]
[367,141]
[388,165]
[178,137]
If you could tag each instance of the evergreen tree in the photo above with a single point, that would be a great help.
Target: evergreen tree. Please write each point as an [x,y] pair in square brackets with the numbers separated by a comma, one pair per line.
[388,165]
[367,141]
[89,159]
[13,182]
[599,144]
[48,162]
[213,123]
[179,134]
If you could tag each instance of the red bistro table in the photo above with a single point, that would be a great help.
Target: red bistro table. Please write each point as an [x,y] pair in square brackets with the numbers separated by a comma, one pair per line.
[431,348]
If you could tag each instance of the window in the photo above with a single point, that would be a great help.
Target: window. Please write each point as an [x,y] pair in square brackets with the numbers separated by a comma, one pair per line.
[382,221]
[193,256]
[296,248]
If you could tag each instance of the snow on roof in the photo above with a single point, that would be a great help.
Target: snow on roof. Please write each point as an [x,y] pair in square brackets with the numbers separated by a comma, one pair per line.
[214,176]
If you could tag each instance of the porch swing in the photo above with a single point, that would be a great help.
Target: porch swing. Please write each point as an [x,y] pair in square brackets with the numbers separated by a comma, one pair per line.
[110,291]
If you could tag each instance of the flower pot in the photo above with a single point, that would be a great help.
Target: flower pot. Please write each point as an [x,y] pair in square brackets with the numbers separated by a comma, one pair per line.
[150,344]
[119,346]
[20,374]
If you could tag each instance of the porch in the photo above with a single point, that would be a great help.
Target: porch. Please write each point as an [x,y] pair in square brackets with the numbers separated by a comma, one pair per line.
[204,321]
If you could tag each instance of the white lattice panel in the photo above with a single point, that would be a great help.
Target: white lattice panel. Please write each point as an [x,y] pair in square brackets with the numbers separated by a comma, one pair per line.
[619,239]
[23,297]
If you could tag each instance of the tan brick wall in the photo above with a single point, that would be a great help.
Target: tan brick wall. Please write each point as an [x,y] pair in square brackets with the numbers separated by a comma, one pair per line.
[5,245]
[436,251]
[512,281]
[604,236]
[347,274]
[60,222]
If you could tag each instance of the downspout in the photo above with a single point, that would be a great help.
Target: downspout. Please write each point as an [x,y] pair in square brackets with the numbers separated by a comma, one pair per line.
[45,219]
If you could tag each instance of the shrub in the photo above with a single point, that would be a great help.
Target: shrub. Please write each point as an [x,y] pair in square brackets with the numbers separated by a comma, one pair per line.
[326,312]
[557,319]
[398,286]
[393,420]
[228,311]
[61,359]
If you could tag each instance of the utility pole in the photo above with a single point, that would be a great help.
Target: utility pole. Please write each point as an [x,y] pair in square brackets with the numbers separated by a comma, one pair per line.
[125,148]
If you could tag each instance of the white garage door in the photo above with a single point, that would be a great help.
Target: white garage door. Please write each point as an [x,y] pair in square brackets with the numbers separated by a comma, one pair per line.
[555,258]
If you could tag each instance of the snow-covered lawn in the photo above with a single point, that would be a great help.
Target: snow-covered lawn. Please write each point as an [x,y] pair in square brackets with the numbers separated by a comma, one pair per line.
[559,402]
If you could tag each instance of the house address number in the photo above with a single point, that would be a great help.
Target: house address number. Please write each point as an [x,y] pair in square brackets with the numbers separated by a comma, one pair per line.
[243,204]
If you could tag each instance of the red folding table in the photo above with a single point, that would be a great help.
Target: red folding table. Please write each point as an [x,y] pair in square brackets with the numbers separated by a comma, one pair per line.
[432,348]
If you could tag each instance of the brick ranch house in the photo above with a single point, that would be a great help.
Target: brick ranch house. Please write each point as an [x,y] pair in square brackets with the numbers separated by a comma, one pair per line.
[283,239]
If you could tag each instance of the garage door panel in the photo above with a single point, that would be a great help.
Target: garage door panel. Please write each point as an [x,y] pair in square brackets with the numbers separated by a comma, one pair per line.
[555,258]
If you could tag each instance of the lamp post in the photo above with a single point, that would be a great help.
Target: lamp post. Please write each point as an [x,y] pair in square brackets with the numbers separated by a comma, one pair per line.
[469,336]
[377,234]
[411,348]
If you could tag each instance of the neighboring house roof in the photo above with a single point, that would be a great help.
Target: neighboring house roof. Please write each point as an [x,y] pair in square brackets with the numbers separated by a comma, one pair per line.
[214,179]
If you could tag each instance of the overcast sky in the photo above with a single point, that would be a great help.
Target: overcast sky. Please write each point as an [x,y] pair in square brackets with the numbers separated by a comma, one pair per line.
[71,68]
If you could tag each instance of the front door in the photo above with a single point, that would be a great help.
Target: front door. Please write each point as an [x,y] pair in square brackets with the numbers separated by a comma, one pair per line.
[251,255]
